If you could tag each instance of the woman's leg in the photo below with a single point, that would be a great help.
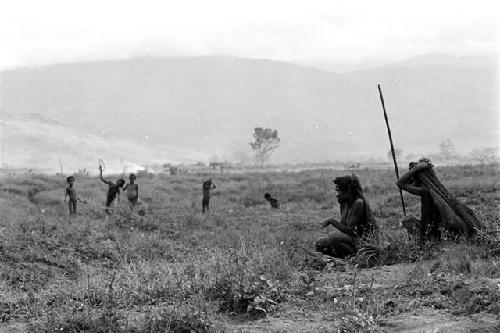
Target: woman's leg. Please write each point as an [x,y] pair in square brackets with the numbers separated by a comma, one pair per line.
[336,244]
[343,249]
[325,246]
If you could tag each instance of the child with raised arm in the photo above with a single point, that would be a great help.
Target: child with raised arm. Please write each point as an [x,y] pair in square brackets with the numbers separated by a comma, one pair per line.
[113,189]
[132,191]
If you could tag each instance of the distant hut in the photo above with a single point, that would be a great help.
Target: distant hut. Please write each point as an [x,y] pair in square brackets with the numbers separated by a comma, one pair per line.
[219,165]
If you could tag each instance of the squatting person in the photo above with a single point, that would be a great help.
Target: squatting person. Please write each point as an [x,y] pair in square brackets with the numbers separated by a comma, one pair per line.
[440,210]
[356,220]
[272,200]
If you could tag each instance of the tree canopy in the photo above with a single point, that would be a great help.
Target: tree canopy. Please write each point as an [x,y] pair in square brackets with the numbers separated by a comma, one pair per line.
[266,142]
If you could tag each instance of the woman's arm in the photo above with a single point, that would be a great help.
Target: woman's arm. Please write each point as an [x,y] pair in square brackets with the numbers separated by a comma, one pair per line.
[405,182]
[327,222]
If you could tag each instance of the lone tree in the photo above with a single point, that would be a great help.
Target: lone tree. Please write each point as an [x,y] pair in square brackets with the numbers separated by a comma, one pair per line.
[447,149]
[484,156]
[266,141]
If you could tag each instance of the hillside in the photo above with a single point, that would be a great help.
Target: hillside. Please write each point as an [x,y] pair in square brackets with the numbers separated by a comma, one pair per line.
[210,105]
[33,141]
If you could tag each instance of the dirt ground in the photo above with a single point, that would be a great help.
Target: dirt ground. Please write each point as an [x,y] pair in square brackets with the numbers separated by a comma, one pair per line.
[308,315]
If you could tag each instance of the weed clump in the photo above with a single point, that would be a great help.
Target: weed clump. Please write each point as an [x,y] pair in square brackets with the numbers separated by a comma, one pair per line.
[255,298]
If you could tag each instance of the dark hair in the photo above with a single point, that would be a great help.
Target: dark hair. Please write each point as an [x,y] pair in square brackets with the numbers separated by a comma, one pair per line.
[426,160]
[347,183]
[70,178]
[122,181]
[132,175]
[267,195]
[422,159]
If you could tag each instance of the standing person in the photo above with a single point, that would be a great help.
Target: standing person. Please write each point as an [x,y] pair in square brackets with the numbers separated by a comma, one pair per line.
[205,202]
[71,193]
[439,208]
[356,220]
[113,189]
[132,191]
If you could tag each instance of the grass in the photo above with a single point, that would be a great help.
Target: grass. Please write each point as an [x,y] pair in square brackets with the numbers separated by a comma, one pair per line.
[178,271]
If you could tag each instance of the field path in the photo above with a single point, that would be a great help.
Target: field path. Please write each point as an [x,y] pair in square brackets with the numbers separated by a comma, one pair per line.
[440,321]
[14,328]
[311,314]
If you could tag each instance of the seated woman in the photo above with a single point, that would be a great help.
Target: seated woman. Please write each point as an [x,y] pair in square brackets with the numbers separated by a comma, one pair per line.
[356,220]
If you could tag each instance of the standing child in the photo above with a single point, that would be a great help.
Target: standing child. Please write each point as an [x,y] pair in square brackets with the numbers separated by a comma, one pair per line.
[71,193]
[132,191]
[207,187]
[113,189]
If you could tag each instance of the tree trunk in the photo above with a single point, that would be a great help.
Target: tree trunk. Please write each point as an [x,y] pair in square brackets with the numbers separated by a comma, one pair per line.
[261,155]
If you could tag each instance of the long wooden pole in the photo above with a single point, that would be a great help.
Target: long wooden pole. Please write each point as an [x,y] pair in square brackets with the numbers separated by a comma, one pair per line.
[392,147]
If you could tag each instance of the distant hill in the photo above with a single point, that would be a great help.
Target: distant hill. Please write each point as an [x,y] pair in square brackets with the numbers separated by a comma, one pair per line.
[33,141]
[440,59]
[210,105]
[432,59]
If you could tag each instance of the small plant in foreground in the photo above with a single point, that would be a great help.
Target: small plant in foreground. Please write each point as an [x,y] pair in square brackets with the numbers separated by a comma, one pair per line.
[255,298]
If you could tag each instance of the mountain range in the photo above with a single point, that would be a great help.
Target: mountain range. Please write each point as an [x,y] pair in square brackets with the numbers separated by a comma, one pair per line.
[184,110]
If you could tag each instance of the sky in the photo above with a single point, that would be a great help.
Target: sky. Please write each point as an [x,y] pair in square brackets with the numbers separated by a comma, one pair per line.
[34,32]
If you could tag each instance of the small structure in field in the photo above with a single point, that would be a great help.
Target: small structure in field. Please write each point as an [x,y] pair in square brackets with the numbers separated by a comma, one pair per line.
[220,166]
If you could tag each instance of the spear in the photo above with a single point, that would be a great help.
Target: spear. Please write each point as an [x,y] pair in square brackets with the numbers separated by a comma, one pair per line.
[392,146]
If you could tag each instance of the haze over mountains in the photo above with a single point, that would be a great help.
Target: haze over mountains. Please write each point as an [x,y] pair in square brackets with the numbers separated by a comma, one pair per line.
[185,110]
[32,141]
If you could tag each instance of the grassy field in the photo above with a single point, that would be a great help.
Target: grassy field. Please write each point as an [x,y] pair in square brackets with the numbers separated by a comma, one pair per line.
[243,268]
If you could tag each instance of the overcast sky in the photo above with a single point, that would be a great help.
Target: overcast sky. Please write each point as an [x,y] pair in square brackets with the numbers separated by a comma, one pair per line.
[36,32]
